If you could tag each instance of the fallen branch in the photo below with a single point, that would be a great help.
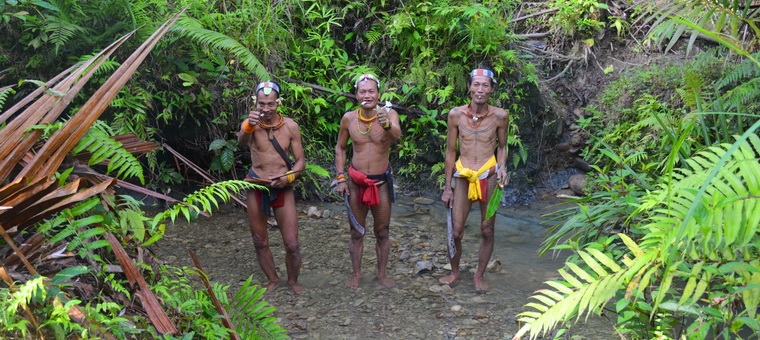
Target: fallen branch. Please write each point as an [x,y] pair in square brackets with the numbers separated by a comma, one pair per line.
[210,290]
[200,171]
[349,95]
[549,10]
[149,301]
[558,75]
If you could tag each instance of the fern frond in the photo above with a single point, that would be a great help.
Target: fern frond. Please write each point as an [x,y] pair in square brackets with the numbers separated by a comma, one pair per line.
[252,315]
[573,298]
[739,73]
[193,29]
[706,215]
[60,31]
[102,147]
[4,93]
[204,198]
[720,20]
[742,95]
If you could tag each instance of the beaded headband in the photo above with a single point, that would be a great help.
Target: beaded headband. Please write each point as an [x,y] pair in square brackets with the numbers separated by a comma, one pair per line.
[268,86]
[482,72]
[367,76]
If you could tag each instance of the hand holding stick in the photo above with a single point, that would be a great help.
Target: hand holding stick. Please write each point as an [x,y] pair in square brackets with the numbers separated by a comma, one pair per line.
[285,174]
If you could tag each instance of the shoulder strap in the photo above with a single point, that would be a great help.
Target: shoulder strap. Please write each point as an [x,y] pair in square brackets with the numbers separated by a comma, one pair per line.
[279,150]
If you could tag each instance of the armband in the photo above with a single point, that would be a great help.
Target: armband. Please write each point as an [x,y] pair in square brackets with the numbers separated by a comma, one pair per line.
[291,177]
[247,128]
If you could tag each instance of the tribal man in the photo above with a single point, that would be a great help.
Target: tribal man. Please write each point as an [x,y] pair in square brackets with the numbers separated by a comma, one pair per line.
[479,128]
[268,134]
[369,182]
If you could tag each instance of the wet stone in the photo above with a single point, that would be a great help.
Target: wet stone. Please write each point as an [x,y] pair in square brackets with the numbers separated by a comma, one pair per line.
[423,200]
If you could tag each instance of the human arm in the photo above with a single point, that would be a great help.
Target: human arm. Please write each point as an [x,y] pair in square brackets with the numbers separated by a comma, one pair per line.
[341,151]
[296,149]
[502,133]
[451,153]
[390,122]
[247,127]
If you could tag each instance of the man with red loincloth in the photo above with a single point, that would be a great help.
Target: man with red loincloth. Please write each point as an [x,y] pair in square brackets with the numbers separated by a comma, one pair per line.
[369,182]
[269,134]
[478,127]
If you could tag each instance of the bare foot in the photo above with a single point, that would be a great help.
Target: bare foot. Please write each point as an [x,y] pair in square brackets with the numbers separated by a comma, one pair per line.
[272,286]
[296,288]
[449,279]
[480,285]
[354,282]
[386,282]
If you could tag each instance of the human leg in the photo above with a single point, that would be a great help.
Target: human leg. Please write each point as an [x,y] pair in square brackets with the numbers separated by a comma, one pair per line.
[356,242]
[381,214]
[459,211]
[486,239]
[287,220]
[257,222]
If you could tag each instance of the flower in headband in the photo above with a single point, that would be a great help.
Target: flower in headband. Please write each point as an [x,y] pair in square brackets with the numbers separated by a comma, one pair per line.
[267,87]
[482,72]
[367,76]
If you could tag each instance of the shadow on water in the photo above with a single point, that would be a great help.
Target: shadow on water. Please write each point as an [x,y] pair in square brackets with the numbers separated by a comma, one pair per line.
[419,307]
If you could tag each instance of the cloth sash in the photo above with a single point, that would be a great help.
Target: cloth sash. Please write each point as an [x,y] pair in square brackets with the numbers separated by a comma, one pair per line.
[478,179]
[368,192]
[269,198]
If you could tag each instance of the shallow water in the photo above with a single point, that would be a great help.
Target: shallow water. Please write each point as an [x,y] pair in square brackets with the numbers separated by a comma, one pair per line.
[418,307]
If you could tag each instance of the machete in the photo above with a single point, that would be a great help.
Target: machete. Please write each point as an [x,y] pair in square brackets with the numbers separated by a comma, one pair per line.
[351,218]
[450,231]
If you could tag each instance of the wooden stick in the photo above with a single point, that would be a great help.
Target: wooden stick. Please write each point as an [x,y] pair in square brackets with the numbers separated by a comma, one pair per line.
[285,174]
[261,181]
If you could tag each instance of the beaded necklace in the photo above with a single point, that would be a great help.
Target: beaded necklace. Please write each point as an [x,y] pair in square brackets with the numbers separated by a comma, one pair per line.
[475,119]
[270,128]
[365,120]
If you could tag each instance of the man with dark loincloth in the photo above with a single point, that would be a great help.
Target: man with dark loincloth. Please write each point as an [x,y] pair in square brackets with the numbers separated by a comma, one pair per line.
[369,182]
[269,134]
[478,127]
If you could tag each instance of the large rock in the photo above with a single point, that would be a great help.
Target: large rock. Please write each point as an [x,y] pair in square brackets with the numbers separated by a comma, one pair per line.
[577,183]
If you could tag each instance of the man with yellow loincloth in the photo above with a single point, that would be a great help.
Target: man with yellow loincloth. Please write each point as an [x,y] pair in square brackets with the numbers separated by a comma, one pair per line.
[478,127]
[270,135]
[369,182]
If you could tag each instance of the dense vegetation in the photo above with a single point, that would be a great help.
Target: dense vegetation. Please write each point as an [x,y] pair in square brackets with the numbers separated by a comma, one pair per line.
[667,237]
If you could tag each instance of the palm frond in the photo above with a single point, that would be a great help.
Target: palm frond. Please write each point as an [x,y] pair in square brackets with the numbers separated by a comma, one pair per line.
[192,29]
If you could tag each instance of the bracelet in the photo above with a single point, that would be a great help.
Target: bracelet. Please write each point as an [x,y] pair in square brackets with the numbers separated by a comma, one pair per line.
[341,177]
[387,127]
[247,128]
[291,177]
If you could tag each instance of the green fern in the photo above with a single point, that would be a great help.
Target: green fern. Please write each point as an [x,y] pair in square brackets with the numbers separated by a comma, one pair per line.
[103,148]
[722,20]
[205,200]
[699,220]
[251,315]
[192,29]
[4,93]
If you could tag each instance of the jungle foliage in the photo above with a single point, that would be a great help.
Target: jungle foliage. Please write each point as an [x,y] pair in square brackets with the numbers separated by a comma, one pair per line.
[192,92]
[200,80]
[666,243]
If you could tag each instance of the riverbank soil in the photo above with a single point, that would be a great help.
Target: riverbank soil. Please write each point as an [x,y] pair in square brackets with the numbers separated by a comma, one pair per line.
[418,307]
